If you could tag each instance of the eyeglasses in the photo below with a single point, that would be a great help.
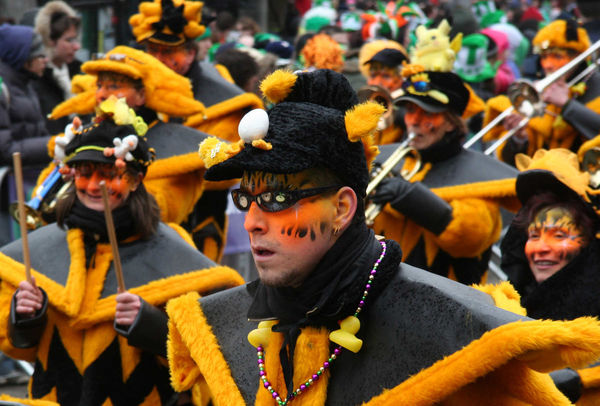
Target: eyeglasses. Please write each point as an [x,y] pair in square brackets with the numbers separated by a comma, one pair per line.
[105,170]
[276,201]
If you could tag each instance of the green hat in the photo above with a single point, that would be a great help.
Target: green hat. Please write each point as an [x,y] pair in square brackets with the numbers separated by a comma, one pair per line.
[207,34]
[492,18]
[482,8]
[471,61]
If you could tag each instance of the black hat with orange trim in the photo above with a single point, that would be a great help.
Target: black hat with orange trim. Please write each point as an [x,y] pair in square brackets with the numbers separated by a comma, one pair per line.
[316,122]
[434,91]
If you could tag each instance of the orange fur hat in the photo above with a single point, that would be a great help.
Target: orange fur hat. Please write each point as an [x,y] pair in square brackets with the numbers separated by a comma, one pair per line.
[168,22]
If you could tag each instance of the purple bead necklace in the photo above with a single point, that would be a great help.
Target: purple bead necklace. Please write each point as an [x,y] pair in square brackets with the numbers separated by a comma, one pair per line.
[332,357]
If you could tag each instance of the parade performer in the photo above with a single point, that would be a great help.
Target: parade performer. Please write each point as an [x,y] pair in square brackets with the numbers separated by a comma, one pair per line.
[153,90]
[384,76]
[572,115]
[168,29]
[447,216]
[65,319]
[304,175]
[550,251]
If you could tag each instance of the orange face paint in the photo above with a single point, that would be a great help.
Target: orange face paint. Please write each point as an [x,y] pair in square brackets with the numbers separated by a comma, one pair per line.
[428,128]
[288,244]
[554,59]
[88,176]
[553,241]
[384,76]
[120,88]
[178,58]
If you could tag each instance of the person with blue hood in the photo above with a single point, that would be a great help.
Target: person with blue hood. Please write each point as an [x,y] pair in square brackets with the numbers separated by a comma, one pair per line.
[22,125]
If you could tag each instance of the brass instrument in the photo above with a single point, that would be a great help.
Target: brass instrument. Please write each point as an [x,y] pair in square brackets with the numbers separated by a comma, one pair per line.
[43,202]
[382,96]
[591,164]
[385,169]
[525,97]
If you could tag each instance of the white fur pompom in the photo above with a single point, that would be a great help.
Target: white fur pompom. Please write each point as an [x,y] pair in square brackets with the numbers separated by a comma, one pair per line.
[254,125]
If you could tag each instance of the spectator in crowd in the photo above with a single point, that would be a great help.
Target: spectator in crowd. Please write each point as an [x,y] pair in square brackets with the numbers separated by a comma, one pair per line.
[58,24]
[22,125]
[241,66]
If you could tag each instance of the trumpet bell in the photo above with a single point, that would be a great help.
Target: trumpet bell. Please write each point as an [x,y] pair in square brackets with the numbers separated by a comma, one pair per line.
[591,164]
[40,208]
[33,218]
[379,95]
[526,99]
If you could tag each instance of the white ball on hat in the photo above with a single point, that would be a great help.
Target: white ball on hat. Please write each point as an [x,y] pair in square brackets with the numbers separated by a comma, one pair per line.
[254,125]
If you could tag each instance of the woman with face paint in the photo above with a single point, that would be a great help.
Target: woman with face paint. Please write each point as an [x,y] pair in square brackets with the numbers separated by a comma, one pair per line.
[572,114]
[551,252]
[154,91]
[447,216]
[91,344]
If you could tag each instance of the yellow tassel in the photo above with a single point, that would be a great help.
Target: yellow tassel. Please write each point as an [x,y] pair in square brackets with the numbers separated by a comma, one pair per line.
[346,335]
[214,151]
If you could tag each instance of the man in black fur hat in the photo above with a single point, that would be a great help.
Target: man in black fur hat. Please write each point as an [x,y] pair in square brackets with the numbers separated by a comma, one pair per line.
[304,174]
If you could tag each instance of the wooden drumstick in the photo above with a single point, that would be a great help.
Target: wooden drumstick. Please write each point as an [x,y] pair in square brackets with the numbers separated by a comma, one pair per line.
[22,214]
[112,236]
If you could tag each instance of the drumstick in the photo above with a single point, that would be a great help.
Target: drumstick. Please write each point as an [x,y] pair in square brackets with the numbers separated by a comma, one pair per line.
[22,215]
[112,236]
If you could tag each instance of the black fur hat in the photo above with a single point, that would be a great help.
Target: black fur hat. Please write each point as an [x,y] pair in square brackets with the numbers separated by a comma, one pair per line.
[315,123]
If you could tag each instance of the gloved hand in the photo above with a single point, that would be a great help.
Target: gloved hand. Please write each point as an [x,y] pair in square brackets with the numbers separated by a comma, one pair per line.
[390,190]
[415,201]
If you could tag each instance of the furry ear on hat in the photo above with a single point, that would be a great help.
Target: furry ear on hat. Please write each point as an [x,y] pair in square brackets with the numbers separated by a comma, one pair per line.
[278,85]
[361,121]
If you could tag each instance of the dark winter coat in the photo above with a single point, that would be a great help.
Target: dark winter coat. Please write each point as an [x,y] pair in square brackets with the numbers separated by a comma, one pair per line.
[50,94]
[22,125]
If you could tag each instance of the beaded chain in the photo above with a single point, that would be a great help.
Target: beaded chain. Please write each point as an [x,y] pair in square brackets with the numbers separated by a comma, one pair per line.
[332,357]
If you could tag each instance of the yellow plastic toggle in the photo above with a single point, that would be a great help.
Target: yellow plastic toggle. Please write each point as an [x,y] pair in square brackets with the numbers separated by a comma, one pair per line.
[260,336]
[346,335]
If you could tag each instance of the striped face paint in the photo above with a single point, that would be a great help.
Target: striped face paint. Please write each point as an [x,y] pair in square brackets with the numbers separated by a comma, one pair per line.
[428,128]
[288,244]
[553,241]
[87,185]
